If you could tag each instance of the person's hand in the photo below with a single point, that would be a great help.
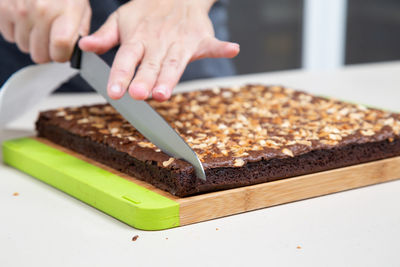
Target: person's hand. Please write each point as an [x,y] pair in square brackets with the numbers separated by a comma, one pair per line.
[160,38]
[47,29]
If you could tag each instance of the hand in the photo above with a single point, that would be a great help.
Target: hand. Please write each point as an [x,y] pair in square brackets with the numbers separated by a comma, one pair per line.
[161,37]
[47,29]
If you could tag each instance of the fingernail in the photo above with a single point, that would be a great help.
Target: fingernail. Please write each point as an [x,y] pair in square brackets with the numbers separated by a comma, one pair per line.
[160,92]
[116,89]
[138,91]
[235,45]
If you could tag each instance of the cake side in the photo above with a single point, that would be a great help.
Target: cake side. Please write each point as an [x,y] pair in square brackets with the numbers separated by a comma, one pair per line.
[184,183]
[243,136]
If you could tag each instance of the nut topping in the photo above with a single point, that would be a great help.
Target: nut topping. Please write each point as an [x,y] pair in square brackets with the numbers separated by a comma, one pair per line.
[168,162]
[244,122]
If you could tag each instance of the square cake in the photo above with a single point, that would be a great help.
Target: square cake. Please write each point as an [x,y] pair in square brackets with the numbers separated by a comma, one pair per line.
[242,135]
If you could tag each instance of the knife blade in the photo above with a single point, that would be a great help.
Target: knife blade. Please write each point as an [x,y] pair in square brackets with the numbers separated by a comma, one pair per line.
[138,113]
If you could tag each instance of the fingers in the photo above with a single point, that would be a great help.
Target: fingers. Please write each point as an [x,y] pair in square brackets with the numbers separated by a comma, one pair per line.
[105,38]
[22,28]
[7,30]
[63,35]
[214,48]
[39,43]
[40,35]
[123,68]
[147,73]
[171,71]
[84,29]
[6,22]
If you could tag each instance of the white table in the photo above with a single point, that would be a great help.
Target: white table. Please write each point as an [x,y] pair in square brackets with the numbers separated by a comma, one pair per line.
[45,227]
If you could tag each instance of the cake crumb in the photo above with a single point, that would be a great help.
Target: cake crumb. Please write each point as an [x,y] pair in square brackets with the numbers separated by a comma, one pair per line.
[135,237]
[166,238]
[216,229]
[298,247]
[16,194]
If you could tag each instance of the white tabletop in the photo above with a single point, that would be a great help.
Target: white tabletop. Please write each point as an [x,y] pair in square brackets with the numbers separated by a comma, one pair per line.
[45,227]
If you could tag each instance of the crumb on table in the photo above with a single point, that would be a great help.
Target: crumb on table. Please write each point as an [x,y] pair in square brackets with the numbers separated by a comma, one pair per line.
[16,194]
[135,237]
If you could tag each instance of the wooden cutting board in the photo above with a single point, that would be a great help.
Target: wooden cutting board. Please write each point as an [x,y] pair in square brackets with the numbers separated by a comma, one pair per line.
[143,206]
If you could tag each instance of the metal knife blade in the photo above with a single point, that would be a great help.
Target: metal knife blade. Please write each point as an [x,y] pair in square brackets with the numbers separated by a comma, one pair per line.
[139,113]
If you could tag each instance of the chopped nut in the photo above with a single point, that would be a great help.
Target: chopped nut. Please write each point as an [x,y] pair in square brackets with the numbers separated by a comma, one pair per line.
[200,146]
[131,138]
[82,121]
[216,90]
[146,144]
[238,163]
[95,110]
[203,98]
[179,124]
[288,152]
[335,137]
[389,122]
[61,114]
[110,110]
[236,89]
[367,132]
[168,162]
[97,125]
[225,152]
[227,94]
[114,130]
[69,117]
[104,131]
[304,142]
[329,142]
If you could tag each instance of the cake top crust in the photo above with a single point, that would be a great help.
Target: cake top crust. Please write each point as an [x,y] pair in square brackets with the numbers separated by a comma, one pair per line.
[228,127]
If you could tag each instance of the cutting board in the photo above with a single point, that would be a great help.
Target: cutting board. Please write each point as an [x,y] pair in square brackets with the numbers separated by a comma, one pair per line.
[143,206]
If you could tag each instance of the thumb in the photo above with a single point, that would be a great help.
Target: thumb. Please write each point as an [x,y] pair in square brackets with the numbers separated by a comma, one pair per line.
[105,38]
[214,48]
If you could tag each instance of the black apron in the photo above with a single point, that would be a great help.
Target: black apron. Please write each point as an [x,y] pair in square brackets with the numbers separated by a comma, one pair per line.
[12,59]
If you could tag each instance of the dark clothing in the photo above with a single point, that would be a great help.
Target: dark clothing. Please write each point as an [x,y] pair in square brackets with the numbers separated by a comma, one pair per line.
[12,59]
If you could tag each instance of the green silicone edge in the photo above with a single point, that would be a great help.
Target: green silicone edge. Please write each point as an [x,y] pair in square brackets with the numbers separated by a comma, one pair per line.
[116,196]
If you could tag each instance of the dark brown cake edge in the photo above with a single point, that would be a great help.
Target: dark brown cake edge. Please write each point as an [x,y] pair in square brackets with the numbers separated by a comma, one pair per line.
[181,183]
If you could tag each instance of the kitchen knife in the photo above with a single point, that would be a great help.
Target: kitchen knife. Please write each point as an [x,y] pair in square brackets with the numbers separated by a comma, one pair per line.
[139,113]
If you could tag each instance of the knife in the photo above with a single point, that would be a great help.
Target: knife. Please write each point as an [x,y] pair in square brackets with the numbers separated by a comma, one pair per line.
[138,113]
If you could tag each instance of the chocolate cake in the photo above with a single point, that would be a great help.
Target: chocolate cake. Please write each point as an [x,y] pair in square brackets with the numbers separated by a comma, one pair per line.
[243,136]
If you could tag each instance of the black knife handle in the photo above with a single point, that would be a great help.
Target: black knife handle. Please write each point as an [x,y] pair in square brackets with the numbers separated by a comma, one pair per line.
[75,60]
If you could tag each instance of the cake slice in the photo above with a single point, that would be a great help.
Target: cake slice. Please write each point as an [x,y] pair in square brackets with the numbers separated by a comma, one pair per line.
[242,135]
